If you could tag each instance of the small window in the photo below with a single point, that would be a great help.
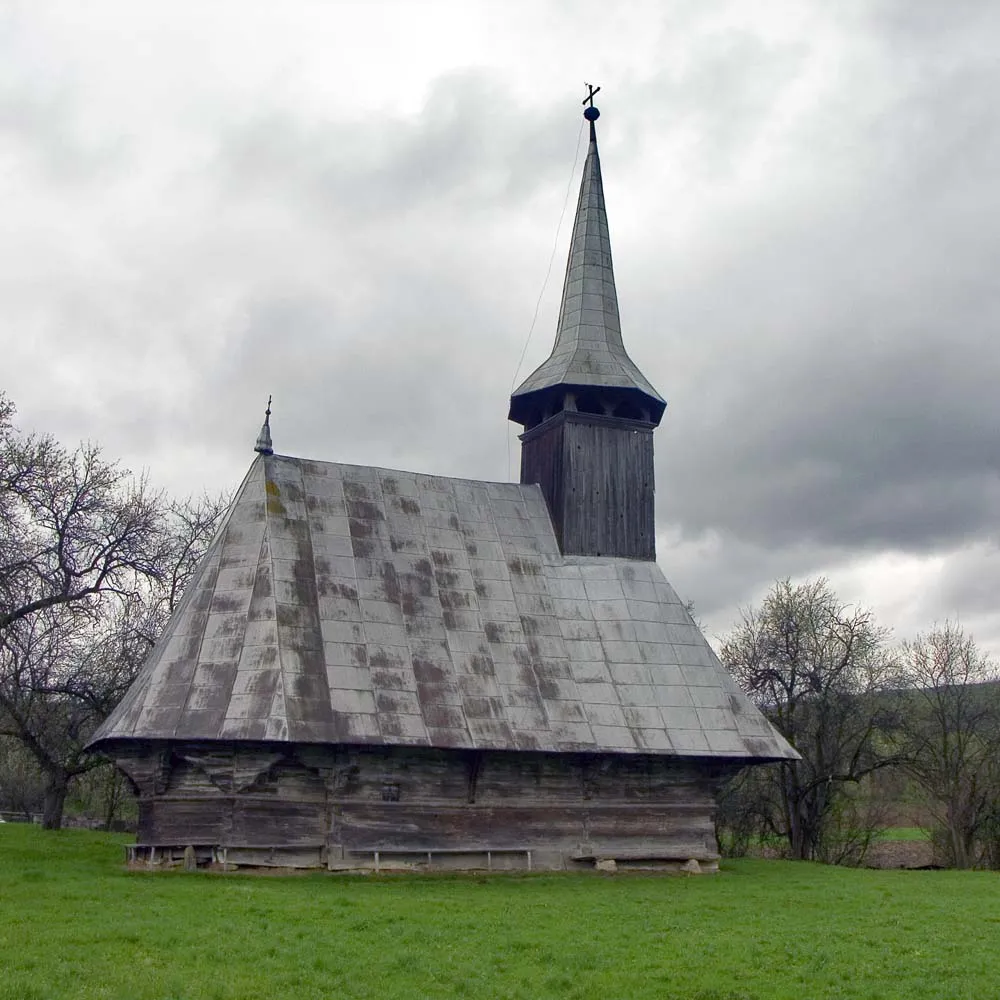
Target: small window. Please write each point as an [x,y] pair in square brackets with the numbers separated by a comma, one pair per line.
[628,410]
[589,402]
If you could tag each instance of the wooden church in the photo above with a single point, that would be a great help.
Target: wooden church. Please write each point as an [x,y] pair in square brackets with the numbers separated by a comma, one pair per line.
[374,668]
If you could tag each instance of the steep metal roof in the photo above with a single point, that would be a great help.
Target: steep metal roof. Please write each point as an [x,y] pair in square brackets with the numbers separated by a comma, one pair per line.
[588,349]
[346,604]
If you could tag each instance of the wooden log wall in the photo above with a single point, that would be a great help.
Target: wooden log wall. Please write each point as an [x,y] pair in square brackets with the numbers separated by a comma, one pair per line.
[363,807]
[596,474]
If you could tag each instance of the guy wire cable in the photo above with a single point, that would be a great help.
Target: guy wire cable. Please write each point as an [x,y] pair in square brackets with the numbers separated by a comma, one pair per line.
[545,283]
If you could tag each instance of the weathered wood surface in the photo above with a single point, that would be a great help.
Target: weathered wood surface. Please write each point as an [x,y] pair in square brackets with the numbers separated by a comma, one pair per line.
[315,805]
[596,473]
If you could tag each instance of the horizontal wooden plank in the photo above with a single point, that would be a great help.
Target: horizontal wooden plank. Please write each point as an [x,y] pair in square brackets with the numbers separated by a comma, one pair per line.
[451,803]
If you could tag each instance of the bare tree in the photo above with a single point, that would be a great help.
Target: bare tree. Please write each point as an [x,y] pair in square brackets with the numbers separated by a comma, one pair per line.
[73,527]
[92,562]
[41,662]
[951,735]
[818,669]
[189,526]
[21,786]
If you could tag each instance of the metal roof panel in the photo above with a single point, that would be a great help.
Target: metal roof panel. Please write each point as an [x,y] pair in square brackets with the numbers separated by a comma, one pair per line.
[331,638]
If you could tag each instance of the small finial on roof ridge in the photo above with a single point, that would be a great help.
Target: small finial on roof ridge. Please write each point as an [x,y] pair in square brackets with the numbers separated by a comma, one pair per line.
[263,445]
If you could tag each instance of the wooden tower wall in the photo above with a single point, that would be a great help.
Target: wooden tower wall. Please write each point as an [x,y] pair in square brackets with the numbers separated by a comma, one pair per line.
[596,473]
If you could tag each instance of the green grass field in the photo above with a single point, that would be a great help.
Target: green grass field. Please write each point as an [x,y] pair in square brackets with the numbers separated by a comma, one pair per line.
[73,923]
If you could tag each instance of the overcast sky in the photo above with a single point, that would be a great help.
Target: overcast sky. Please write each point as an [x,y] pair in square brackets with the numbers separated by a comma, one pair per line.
[352,205]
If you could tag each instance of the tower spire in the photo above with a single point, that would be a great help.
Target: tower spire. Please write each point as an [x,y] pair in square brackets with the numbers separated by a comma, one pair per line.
[589,353]
[588,412]
[263,445]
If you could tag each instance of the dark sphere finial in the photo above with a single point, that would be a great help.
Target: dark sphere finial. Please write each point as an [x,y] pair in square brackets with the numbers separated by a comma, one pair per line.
[591,114]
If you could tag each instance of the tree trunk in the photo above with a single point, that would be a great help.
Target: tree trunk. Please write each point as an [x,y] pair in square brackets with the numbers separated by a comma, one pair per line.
[56,789]
[114,793]
[960,838]
[793,816]
[801,828]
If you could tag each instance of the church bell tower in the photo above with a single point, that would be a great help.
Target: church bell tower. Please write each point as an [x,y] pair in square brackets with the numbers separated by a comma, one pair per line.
[588,412]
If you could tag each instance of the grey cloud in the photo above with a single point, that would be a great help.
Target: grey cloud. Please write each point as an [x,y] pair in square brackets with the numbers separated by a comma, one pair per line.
[722,98]
[402,390]
[43,131]
[825,335]
[850,358]
[968,586]
[932,27]
[472,144]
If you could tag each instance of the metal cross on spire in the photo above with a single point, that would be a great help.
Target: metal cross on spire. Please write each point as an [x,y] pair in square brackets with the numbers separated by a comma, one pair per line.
[590,112]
